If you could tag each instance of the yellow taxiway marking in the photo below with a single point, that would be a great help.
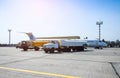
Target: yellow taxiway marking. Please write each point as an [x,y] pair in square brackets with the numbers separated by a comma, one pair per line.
[36,72]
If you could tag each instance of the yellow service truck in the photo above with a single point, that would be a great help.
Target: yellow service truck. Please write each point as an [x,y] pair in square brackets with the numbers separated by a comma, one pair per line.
[25,45]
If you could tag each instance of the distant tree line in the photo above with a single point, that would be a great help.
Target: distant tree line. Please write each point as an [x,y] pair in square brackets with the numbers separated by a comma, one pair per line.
[7,45]
[112,43]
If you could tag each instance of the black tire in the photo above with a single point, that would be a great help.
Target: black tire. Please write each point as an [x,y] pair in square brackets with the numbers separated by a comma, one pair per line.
[78,49]
[73,49]
[36,48]
[25,49]
[46,51]
[52,50]
[68,49]
[59,50]
[101,47]
[82,48]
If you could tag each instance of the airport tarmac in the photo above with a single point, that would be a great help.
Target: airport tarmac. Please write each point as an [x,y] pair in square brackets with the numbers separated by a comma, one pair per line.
[91,63]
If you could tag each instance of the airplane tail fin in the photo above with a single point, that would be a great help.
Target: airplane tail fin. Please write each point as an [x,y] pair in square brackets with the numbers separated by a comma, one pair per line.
[31,36]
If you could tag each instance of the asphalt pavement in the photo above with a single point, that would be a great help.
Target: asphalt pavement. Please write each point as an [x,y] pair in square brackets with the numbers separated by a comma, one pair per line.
[91,63]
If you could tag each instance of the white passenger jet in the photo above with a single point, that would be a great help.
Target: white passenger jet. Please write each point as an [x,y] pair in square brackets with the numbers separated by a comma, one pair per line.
[97,44]
[32,37]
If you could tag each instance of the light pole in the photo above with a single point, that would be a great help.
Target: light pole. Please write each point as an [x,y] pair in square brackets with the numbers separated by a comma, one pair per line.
[9,30]
[99,23]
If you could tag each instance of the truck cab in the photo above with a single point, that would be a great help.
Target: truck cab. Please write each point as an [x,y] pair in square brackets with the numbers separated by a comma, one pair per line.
[25,45]
[51,46]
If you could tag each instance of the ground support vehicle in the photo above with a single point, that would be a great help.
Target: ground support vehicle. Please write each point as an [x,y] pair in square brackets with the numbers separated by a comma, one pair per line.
[64,46]
[25,45]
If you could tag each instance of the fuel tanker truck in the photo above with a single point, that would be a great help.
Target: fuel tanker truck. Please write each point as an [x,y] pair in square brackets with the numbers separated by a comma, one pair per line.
[64,46]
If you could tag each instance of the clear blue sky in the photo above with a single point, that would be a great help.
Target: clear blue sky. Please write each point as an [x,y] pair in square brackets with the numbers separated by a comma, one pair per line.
[59,18]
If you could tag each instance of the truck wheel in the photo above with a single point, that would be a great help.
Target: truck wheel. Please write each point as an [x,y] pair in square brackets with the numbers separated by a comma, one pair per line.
[52,50]
[73,49]
[82,48]
[68,49]
[25,48]
[36,48]
[101,47]
[59,50]
[78,49]
[46,51]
